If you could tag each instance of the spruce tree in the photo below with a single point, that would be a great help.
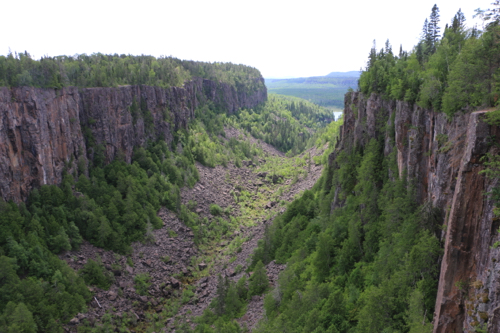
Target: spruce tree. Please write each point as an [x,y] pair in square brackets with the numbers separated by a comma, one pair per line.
[458,21]
[425,31]
[434,28]
[219,303]
[373,55]
[258,281]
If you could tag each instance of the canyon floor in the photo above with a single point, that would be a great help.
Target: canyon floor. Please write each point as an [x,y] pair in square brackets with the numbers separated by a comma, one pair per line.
[182,276]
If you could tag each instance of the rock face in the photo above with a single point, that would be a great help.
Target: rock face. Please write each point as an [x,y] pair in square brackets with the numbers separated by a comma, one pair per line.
[444,158]
[46,131]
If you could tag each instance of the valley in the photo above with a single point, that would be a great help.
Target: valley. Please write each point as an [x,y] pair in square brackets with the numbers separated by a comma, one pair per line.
[146,195]
[182,276]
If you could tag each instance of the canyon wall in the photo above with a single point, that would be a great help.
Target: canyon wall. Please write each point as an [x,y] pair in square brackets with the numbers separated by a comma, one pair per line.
[44,132]
[443,158]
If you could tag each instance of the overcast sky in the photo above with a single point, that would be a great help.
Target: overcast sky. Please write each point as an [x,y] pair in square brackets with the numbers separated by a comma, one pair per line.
[280,38]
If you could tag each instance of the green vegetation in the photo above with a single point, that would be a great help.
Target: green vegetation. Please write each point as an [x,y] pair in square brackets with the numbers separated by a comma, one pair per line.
[287,123]
[94,274]
[458,72]
[368,266]
[258,281]
[215,210]
[113,205]
[106,70]
[228,303]
[141,283]
[327,91]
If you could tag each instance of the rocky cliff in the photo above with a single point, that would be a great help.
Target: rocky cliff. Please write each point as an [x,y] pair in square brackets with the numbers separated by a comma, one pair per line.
[443,157]
[46,131]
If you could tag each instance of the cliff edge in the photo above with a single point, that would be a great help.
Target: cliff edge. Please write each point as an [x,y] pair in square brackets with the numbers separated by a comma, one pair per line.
[443,158]
[44,132]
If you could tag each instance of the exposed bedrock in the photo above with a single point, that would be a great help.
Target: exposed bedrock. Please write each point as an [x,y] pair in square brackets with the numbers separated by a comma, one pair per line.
[443,157]
[46,131]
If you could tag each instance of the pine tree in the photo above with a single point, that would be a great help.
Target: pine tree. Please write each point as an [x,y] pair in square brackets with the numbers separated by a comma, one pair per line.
[495,12]
[232,301]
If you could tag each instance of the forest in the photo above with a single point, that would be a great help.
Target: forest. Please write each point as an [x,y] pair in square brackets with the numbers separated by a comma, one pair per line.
[106,70]
[114,205]
[327,91]
[455,72]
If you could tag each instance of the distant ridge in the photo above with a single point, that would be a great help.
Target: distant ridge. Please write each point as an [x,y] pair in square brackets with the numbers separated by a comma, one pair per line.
[344,74]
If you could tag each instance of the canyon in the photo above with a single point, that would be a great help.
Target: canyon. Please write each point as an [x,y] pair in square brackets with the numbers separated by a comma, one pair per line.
[47,132]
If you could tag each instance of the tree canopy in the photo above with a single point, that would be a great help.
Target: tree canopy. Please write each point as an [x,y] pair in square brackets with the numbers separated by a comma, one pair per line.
[452,73]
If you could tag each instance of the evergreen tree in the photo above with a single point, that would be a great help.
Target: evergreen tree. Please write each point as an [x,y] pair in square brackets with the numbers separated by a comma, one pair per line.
[458,22]
[219,304]
[434,28]
[373,55]
[388,47]
[17,318]
[258,281]
[425,31]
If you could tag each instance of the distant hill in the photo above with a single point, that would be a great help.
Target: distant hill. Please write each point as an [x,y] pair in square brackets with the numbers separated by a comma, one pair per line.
[327,91]
[344,74]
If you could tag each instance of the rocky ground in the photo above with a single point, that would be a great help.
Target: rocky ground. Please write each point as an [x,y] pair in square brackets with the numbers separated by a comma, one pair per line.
[166,261]
[173,259]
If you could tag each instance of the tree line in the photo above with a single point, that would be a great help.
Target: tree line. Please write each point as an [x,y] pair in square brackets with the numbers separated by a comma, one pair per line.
[453,72]
[112,70]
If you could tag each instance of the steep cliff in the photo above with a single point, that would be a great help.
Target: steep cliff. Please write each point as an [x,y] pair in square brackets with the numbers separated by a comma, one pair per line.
[443,158]
[46,131]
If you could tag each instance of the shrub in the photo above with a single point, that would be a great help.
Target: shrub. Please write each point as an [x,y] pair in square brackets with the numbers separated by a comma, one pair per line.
[94,274]
[215,210]
[142,284]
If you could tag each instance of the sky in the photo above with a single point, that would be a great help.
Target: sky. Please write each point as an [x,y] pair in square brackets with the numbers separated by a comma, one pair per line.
[280,38]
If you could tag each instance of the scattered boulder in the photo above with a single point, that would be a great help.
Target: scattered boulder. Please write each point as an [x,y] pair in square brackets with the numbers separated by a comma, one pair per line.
[270,205]
[74,321]
[175,283]
[112,295]
[129,269]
